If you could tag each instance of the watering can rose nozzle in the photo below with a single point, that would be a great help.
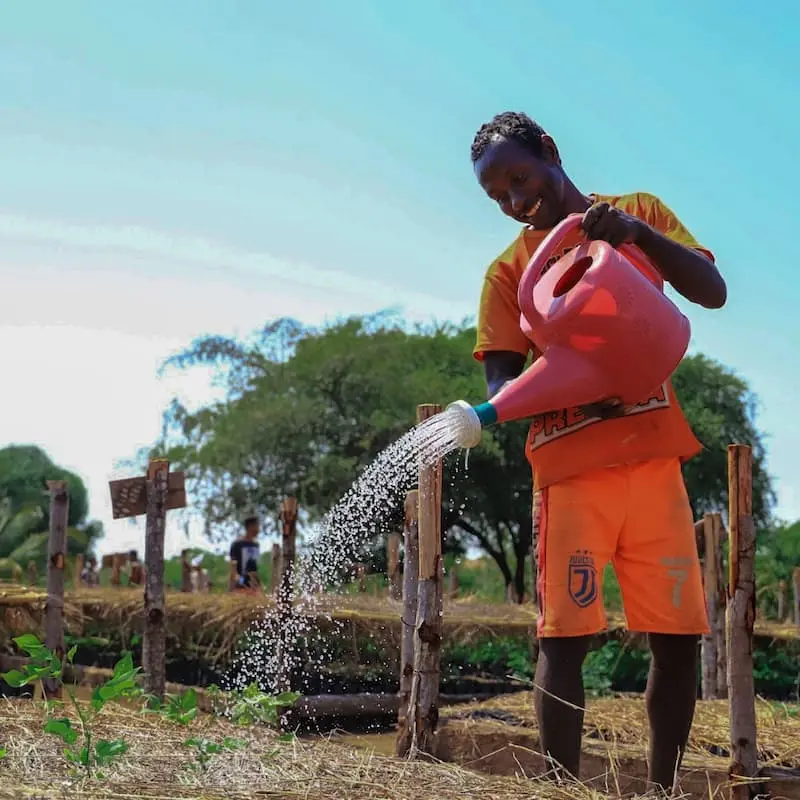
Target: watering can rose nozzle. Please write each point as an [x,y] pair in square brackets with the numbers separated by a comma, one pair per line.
[470,421]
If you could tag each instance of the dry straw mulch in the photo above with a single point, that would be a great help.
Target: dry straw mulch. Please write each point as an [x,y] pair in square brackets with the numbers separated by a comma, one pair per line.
[156,767]
[623,721]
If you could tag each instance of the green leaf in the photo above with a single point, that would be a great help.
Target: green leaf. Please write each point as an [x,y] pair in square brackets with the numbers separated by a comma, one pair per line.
[106,750]
[124,666]
[15,678]
[286,698]
[32,548]
[71,653]
[233,744]
[189,700]
[3,752]
[29,644]
[63,729]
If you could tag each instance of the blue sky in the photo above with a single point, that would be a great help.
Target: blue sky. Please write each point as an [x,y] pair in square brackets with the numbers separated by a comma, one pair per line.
[171,169]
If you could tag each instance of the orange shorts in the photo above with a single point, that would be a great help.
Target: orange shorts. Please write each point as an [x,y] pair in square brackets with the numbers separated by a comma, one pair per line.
[638,518]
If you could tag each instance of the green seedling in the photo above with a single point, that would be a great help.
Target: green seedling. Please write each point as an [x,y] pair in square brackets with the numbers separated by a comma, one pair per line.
[44,664]
[252,706]
[181,709]
[206,749]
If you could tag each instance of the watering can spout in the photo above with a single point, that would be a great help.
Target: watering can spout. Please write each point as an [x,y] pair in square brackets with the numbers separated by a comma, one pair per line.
[558,376]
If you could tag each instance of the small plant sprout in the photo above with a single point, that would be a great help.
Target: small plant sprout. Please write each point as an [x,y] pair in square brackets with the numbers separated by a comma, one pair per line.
[81,750]
[181,709]
[206,749]
[251,706]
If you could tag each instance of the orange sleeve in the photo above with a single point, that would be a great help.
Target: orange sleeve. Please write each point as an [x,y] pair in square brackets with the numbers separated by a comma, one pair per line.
[663,219]
[498,313]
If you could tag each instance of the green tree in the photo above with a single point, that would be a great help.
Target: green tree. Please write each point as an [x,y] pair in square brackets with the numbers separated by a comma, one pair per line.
[777,556]
[24,472]
[307,409]
[25,507]
[721,409]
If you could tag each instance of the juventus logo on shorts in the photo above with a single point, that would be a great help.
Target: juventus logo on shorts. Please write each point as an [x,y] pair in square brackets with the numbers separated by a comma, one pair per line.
[583,584]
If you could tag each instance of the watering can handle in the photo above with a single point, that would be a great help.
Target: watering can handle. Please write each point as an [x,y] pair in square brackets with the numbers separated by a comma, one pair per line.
[539,259]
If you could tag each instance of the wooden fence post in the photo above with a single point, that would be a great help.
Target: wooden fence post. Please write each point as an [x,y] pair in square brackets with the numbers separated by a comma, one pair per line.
[781,598]
[452,583]
[154,644]
[713,645]
[116,570]
[56,551]
[408,620]
[796,595]
[186,572]
[77,571]
[288,517]
[32,576]
[393,561]
[275,578]
[740,619]
[423,709]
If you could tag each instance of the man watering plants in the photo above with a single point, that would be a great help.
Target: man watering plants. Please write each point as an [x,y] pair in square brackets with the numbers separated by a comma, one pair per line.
[607,483]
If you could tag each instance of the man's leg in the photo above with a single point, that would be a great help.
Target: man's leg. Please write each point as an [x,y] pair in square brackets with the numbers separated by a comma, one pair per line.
[670,696]
[576,523]
[660,578]
[559,700]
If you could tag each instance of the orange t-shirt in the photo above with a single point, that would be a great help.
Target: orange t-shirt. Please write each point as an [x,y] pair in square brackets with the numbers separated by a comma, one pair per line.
[564,443]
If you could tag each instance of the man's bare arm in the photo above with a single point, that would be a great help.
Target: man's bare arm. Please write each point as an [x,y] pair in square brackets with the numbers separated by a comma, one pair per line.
[499,367]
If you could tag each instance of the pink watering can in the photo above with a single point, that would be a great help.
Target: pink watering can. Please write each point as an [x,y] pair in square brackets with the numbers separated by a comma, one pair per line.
[603,324]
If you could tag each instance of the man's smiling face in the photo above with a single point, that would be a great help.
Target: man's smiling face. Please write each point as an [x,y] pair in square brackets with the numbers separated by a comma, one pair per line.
[527,188]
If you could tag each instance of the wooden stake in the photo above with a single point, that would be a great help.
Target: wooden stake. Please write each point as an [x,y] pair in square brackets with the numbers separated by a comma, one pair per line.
[796,595]
[741,615]
[393,561]
[408,620]
[186,572]
[288,516]
[77,570]
[116,571]
[452,583]
[720,536]
[781,601]
[32,576]
[154,644]
[289,531]
[56,552]
[361,575]
[423,710]
[275,579]
[712,647]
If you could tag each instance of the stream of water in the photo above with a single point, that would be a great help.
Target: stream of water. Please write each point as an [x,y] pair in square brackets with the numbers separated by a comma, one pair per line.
[337,543]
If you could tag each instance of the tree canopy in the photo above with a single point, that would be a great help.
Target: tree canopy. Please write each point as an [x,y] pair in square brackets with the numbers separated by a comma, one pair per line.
[25,506]
[306,409]
[24,472]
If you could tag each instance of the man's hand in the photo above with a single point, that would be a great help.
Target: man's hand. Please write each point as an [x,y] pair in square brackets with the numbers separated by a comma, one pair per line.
[606,222]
